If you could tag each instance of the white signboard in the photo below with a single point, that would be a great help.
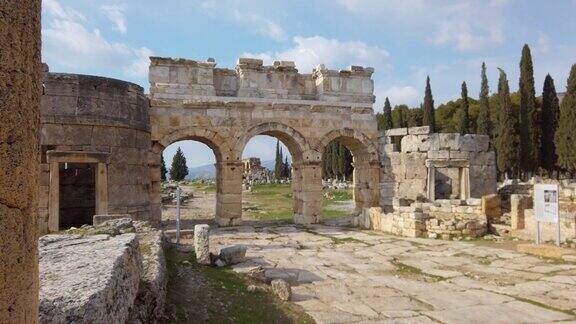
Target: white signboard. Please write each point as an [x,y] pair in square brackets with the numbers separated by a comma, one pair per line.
[546,208]
[546,202]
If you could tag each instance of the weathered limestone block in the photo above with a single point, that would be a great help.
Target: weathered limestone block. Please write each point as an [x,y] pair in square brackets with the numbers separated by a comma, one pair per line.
[202,243]
[518,203]
[282,289]
[419,130]
[232,254]
[396,132]
[415,143]
[91,279]
[491,207]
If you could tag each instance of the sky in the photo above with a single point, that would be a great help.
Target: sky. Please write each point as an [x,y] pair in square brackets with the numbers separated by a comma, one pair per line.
[403,40]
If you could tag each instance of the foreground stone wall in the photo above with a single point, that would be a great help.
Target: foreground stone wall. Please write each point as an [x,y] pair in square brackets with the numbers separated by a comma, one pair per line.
[88,116]
[225,108]
[19,99]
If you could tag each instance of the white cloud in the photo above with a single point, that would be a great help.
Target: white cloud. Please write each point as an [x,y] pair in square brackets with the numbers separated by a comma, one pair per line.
[467,25]
[56,10]
[542,43]
[397,95]
[256,22]
[67,42]
[308,52]
[116,14]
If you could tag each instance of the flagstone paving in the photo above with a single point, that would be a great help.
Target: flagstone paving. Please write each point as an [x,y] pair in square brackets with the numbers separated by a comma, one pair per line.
[341,275]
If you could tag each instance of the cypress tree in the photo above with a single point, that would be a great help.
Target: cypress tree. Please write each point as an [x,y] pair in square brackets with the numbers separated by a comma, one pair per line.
[550,115]
[464,111]
[326,159]
[334,160]
[529,130]
[342,160]
[508,139]
[399,118]
[278,163]
[163,170]
[178,170]
[387,116]
[566,133]
[428,118]
[483,121]
[286,168]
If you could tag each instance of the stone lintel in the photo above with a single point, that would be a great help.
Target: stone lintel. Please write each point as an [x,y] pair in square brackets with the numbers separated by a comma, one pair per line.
[77,157]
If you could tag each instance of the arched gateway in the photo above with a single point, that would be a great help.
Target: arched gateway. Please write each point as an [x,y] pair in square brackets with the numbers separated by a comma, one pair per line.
[225,108]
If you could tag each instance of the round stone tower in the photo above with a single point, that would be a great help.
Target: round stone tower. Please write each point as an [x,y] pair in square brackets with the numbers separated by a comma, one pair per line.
[95,140]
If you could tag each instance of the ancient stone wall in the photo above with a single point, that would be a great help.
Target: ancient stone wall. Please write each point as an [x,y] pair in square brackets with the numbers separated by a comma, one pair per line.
[19,159]
[463,166]
[88,116]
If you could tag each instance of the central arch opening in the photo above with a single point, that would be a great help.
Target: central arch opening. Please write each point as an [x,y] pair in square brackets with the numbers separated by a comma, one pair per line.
[267,185]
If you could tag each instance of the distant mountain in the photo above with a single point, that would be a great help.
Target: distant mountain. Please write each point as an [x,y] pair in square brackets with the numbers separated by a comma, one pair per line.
[208,171]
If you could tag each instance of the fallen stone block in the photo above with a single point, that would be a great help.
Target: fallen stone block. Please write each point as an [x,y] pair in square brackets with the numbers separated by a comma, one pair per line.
[92,279]
[232,254]
[99,219]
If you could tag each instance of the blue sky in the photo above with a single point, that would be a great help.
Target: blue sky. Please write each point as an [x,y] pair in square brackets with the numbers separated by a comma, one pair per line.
[403,40]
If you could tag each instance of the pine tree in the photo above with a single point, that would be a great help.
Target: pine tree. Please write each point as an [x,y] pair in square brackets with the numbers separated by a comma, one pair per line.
[483,122]
[279,163]
[566,133]
[529,130]
[163,170]
[464,111]
[387,116]
[178,170]
[428,118]
[508,139]
[550,115]
[399,118]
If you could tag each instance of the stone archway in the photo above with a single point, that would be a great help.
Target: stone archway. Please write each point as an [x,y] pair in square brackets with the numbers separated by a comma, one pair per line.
[228,172]
[366,176]
[306,181]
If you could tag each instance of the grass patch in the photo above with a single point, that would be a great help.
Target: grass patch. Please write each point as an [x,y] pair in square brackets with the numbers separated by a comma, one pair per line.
[539,304]
[219,295]
[408,271]
[335,240]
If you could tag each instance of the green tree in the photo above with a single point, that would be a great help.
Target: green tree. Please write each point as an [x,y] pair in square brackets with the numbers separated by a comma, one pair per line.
[286,168]
[483,122]
[428,118]
[566,133]
[550,115]
[464,111]
[529,130]
[279,162]
[178,170]
[163,170]
[508,157]
[385,122]
[399,116]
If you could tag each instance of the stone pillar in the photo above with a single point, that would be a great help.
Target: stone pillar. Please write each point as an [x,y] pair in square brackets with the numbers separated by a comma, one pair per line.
[308,193]
[155,169]
[366,180]
[517,206]
[464,183]
[431,183]
[229,193]
[101,189]
[20,89]
[54,198]
[202,243]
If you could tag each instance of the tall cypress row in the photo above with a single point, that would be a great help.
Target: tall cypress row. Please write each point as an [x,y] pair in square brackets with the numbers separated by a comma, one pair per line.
[387,116]
[483,121]
[428,118]
[163,170]
[529,119]
[566,133]
[508,157]
[550,115]
[278,163]
[464,111]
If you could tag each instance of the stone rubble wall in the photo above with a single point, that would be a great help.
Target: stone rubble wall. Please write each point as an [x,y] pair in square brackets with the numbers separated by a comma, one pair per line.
[442,219]
[20,88]
[95,114]
[188,79]
[404,171]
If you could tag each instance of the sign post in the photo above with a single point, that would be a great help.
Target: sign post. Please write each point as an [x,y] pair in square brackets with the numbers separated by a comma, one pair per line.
[546,208]
[178,215]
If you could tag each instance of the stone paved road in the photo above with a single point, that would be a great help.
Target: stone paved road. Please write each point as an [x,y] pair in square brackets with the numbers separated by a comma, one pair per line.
[351,276]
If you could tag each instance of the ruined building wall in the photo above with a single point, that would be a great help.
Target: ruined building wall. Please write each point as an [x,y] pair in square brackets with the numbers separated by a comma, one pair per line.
[19,99]
[87,116]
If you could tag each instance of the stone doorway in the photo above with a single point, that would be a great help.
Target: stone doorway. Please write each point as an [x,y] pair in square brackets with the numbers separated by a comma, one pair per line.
[77,194]
[448,179]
